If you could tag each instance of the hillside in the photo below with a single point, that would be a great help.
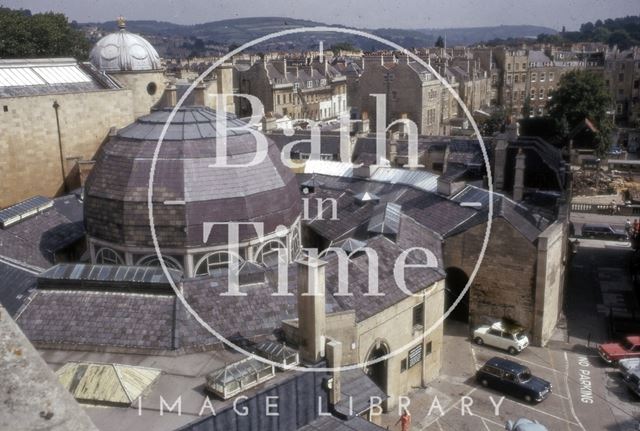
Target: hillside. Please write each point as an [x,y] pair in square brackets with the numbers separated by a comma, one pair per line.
[237,31]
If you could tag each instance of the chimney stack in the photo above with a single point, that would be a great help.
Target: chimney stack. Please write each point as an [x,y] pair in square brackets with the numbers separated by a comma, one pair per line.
[500,160]
[169,98]
[199,95]
[311,308]
[518,182]
[334,360]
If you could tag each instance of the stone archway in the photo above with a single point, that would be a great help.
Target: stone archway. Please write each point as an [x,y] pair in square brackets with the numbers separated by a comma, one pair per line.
[455,282]
[378,372]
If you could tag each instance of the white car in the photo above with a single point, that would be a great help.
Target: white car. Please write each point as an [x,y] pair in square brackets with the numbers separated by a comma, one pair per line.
[627,366]
[502,335]
[523,424]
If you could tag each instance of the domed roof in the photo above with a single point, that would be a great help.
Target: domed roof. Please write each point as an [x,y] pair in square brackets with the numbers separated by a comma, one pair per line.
[188,190]
[124,51]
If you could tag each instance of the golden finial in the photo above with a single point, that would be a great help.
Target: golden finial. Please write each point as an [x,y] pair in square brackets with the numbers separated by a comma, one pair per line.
[121,22]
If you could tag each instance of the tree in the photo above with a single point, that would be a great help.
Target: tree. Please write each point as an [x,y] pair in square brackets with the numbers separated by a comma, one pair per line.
[440,42]
[24,35]
[582,95]
[495,123]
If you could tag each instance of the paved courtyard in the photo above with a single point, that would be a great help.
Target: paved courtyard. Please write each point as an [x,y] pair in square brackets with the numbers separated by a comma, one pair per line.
[587,395]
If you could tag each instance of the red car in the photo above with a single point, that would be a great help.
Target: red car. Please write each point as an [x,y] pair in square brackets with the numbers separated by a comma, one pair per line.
[613,352]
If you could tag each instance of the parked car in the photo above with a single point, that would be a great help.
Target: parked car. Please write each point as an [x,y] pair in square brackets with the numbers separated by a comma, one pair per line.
[523,424]
[611,353]
[633,382]
[626,366]
[603,231]
[615,151]
[514,379]
[503,335]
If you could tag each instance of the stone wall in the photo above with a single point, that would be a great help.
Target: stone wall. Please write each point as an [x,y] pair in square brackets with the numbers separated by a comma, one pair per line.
[146,87]
[552,247]
[394,328]
[505,284]
[30,162]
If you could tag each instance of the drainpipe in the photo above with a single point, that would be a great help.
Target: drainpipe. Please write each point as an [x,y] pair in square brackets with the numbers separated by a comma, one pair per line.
[56,105]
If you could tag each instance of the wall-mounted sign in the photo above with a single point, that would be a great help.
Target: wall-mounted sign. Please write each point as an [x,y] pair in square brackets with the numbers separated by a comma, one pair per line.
[415,355]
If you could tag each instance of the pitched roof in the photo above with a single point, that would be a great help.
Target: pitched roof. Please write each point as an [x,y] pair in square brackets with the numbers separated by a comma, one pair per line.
[16,282]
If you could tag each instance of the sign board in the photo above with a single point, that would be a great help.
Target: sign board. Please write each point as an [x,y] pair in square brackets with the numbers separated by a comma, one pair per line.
[415,355]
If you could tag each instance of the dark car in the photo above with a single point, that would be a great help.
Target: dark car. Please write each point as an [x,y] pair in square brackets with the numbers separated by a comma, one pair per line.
[603,231]
[513,379]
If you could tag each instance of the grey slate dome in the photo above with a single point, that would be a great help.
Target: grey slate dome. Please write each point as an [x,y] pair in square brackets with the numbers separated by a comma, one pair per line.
[187,191]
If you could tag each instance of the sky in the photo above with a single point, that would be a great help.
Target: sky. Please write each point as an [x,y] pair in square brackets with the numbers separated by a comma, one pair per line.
[357,13]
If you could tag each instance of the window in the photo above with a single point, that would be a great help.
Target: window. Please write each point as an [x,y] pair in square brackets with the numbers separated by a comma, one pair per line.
[296,86]
[268,253]
[620,92]
[418,317]
[403,365]
[533,93]
[278,99]
[429,349]
[550,76]
[211,262]
[107,256]
[516,79]
[620,77]
[152,88]
[542,93]
[309,84]
[152,260]
[5,108]
[323,81]
[524,66]
[534,77]
[542,76]
[509,66]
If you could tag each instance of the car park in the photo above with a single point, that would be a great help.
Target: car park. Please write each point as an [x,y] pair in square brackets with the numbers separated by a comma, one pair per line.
[513,379]
[633,382]
[612,352]
[524,424]
[626,366]
[503,335]
[603,231]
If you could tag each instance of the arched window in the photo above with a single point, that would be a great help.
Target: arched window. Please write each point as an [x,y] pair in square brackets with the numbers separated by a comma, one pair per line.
[212,261]
[107,256]
[267,253]
[152,260]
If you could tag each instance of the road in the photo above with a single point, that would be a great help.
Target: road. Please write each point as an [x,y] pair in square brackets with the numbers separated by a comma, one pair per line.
[587,394]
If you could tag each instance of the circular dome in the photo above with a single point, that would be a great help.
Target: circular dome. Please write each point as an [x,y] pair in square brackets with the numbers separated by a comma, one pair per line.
[188,190]
[124,51]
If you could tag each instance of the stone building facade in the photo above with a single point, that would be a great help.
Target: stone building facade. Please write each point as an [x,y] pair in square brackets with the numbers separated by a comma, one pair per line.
[40,143]
[411,91]
[622,76]
[298,89]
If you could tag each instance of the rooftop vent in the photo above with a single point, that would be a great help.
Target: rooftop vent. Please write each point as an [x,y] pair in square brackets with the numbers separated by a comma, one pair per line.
[350,245]
[367,197]
[238,377]
[278,352]
[385,219]
[23,210]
